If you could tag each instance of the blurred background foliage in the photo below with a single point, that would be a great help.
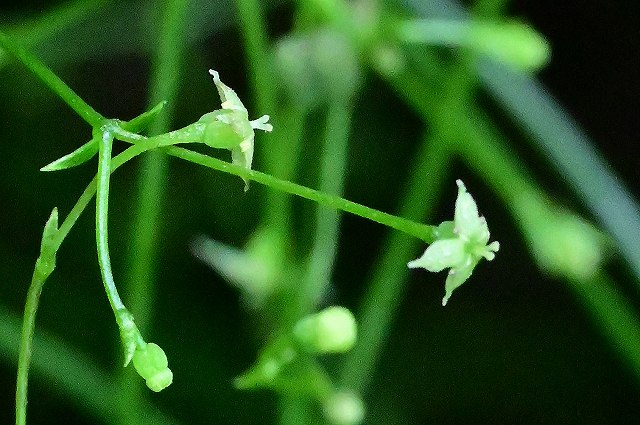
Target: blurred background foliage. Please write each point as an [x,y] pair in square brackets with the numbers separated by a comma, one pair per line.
[515,344]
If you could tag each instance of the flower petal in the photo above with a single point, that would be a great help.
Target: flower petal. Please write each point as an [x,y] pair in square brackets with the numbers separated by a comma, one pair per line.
[261,123]
[457,276]
[440,255]
[228,97]
[468,224]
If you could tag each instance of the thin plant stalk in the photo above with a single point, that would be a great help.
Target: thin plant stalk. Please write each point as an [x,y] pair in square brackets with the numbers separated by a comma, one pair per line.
[37,282]
[102,214]
[26,343]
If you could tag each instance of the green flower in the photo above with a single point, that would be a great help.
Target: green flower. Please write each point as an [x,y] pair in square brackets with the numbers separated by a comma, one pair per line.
[230,127]
[460,244]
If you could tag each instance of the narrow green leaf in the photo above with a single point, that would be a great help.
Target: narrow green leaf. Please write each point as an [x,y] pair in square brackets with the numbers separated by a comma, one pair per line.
[143,120]
[78,157]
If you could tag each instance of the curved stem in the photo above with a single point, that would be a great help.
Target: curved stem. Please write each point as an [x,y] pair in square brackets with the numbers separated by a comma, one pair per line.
[100,185]
[102,210]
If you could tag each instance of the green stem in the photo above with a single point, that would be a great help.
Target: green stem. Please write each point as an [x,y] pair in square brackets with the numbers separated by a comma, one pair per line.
[26,341]
[40,275]
[100,184]
[102,212]
[418,230]
[52,81]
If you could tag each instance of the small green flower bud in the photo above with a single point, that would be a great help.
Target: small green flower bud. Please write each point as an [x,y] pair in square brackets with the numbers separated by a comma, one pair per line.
[343,408]
[332,330]
[151,363]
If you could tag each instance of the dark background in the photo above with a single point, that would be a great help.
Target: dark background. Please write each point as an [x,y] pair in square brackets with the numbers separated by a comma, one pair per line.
[512,347]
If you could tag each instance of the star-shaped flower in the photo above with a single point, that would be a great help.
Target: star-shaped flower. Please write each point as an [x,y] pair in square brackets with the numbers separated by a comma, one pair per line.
[460,244]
